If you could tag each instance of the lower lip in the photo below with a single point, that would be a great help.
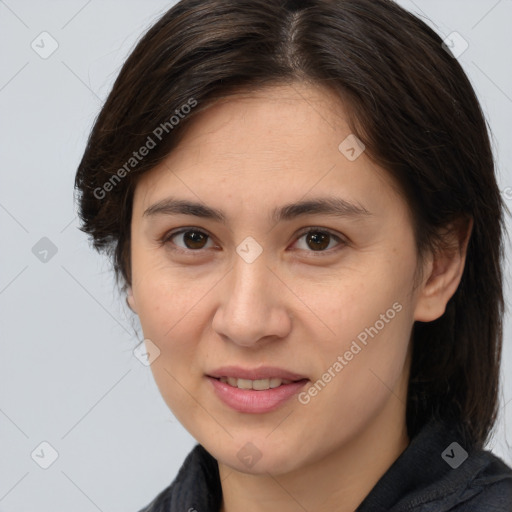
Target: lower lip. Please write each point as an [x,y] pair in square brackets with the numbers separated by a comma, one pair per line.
[252,401]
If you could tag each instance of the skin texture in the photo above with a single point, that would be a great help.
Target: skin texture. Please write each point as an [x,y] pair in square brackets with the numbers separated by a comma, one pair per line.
[293,307]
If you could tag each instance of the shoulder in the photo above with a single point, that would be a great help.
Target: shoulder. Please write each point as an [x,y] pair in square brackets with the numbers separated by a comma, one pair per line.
[441,471]
[491,487]
[484,485]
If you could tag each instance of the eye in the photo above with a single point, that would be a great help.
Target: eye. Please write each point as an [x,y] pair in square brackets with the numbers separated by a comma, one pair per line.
[193,239]
[318,239]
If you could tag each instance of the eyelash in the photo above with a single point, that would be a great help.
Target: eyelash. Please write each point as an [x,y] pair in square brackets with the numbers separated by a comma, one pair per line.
[166,239]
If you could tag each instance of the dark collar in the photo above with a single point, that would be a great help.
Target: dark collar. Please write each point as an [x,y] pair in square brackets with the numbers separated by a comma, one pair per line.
[419,475]
[421,472]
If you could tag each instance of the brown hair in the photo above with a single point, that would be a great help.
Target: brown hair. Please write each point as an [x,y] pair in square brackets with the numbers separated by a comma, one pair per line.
[410,103]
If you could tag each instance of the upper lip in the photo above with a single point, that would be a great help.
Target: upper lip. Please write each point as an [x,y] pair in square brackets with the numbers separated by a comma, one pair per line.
[263,372]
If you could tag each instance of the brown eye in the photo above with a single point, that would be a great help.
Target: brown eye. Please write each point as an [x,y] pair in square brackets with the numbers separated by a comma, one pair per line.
[193,239]
[318,240]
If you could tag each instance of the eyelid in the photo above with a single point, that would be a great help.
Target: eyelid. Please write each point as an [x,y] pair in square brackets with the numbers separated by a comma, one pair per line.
[342,241]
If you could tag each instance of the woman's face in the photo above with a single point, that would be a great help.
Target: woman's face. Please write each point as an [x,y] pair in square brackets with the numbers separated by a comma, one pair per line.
[251,290]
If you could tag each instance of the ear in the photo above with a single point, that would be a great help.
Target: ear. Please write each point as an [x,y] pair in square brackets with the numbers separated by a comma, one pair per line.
[443,272]
[130,300]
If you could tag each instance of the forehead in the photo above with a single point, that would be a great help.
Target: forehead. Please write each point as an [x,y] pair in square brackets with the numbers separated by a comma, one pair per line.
[278,112]
[255,146]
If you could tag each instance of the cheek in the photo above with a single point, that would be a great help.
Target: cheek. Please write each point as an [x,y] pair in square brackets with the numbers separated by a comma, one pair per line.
[168,314]
[361,370]
[162,293]
[369,333]
[171,309]
[370,318]
[354,301]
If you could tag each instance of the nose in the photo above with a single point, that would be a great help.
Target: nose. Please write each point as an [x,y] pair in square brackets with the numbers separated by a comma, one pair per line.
[254,304]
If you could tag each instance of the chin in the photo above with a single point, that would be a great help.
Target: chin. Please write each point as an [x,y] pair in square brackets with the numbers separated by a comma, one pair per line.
[257,457]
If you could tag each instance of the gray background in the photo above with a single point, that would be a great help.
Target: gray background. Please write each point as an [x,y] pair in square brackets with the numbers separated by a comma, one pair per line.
[68,373]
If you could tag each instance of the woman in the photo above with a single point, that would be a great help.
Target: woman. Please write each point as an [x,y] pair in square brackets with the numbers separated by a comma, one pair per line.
[300,201]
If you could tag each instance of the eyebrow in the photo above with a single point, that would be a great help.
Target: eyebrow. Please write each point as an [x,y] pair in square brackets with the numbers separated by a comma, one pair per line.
[332,206]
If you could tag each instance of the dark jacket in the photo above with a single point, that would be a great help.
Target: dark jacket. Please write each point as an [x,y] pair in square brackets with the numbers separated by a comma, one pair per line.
[433,474]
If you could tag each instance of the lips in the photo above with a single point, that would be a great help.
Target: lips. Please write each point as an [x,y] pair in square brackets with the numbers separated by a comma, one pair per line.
[264,372]
[252,400]
[258,390]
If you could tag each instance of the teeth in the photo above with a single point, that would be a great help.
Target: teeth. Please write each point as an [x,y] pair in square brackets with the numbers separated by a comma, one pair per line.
[244,384]
[259,384]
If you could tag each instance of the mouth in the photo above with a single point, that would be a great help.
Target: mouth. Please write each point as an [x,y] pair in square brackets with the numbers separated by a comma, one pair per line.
[257,390]
[257,384]
[259,379]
